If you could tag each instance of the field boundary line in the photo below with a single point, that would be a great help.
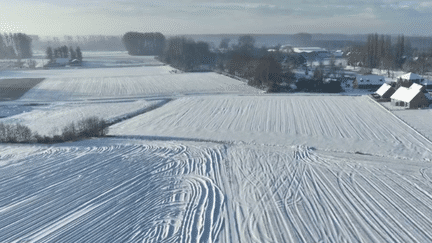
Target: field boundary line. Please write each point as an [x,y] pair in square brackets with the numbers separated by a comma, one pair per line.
[137,113]
[401,120]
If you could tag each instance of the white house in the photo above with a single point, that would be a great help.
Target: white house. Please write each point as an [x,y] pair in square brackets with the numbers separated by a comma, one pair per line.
[411,97]
[415,78]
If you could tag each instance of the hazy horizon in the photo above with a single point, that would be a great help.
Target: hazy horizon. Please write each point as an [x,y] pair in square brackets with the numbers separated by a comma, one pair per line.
[189,17]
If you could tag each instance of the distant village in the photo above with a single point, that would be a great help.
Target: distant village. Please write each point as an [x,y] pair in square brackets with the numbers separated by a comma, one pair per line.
[408,90]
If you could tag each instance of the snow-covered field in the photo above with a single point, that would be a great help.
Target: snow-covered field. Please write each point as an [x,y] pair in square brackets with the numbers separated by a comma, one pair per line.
[61,85]
[49,120]
[215,161]
[142,191]
[419,119]
[134,85]
[336,123]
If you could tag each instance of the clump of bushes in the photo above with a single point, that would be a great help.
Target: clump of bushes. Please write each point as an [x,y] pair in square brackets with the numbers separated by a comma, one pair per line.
[14,133]
[86,128]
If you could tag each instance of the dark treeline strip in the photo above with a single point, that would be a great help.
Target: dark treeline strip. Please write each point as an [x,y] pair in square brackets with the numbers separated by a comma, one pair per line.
[16,45]
[64,52]
[150,44]
[380,52]
[188,55]
[244,60]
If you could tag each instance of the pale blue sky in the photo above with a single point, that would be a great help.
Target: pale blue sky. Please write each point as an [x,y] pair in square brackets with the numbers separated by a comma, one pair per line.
[84,17]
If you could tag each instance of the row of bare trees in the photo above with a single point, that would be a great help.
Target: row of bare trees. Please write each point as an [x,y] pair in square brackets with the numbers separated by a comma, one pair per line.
[64,52]
[261,68]
[144,43]
[186,54]
[16,45]
[380,52]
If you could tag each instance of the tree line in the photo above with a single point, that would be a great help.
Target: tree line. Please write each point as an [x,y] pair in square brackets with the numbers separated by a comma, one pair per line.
[64,52]
[16,45]
[380,52]
[261,68]
[186,54]
[144,43]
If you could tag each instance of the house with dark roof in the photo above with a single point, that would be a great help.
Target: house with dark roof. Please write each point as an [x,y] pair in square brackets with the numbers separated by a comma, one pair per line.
[370,82]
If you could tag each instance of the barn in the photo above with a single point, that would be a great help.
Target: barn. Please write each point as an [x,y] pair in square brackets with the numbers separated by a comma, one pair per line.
[385,91]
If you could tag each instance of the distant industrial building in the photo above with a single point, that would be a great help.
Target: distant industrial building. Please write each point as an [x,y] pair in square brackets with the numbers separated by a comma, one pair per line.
[310,53]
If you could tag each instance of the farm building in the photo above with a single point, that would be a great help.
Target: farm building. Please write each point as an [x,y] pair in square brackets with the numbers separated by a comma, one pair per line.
[415,78]
[411,97]
[385,91]
[371,82]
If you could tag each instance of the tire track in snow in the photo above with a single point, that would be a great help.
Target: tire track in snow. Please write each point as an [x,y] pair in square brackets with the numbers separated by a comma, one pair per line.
[300,196]
[112,193]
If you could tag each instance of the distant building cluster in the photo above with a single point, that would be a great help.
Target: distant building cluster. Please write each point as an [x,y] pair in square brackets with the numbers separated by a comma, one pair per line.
[309,53]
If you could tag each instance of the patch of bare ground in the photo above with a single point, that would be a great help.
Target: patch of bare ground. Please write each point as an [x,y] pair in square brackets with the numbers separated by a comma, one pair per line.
[13,89]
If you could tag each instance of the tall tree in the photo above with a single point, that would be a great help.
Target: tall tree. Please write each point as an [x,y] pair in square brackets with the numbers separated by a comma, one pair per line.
[267,73]
[79,54]
[49,54]
[246,44]
[56,53]
[399,51]
[3,52]
[224,44]
[65,51]
[72,53]
[144,43]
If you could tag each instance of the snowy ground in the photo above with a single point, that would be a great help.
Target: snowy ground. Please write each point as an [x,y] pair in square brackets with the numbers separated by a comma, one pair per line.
[218,161]
[336,123]
[49,120]
[129,191]
[418,119]
[134,85]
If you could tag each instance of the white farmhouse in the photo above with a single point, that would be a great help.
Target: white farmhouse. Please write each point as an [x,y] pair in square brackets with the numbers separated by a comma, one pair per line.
[411,97]
[415,78]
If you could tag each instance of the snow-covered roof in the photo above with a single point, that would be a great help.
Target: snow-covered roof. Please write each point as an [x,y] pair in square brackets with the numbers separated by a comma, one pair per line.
[405,94]
[370,79]
[410,76]
[426,82]
[383,89]
[308,49]
[62,60]
[416,86]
